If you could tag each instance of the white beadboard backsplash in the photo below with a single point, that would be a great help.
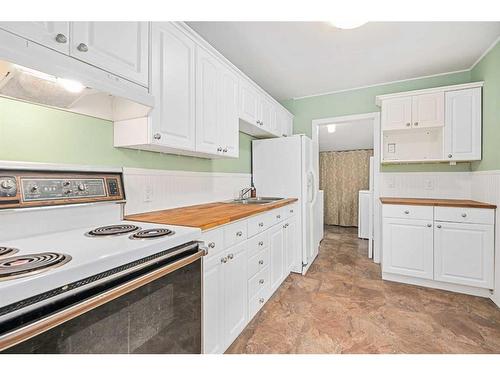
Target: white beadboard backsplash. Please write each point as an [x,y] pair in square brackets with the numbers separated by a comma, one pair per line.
[153,189]
[452,185]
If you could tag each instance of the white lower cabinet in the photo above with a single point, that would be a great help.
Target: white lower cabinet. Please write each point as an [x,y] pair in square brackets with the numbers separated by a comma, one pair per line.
[408,247]
[450,248]
[241,272]
[464,254]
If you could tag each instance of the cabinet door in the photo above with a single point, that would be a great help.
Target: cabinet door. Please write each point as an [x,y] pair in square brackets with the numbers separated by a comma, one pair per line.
[463,125]
[53,35]
[213,306]
[277,256]
[229,121]
[396,113]
[287,128]
[207,102]
[235,292]
[428,110]
[408,247]
[266,117]
[291,242]
[249,103]
[274,124]
[173,86]
[464,254]
[120,48]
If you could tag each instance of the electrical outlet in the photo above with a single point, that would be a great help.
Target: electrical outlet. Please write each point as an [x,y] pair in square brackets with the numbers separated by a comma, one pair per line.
[428,184]
[148,193]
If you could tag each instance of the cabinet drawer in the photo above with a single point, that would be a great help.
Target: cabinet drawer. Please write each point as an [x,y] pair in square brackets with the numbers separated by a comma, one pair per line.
[259,242]
[256,302]
[258,282]
[408,211]
[290,210]
[235,233]
[214,242]
[258,224]
[278,215]
[465,215]
[258,262]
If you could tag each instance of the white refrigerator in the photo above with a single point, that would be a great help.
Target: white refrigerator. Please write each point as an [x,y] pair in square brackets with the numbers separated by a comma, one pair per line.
[285,167]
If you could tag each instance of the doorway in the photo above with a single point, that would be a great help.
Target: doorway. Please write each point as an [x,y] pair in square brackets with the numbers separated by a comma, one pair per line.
[350,137]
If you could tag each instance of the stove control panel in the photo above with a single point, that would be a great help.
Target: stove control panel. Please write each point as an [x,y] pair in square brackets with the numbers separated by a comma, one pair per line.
[68,188]
[45,188]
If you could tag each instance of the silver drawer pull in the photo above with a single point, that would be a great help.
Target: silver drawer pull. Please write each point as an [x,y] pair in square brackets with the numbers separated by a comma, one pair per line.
[261,262]
[407,212]
[157,136]
[211,245]
[429,225]
[438,226]
[230,256]
[464,215]
[61,38]
[291,211]
[261,224]
[408,124]
[239,234]
[261,281]
[261,300]
[223,260]
[278,216]
[261,243]
[82,47]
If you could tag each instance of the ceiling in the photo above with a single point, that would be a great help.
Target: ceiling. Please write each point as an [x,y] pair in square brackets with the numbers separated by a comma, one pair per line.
[295,59]
[355,135]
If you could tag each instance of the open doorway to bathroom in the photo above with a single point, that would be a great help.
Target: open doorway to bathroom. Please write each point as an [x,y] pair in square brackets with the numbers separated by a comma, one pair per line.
[347,150]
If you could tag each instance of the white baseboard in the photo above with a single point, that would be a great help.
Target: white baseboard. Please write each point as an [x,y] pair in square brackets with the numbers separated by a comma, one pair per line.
[153,189]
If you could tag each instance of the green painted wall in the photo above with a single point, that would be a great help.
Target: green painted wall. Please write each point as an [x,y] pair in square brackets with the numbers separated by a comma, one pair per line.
[35,133]
[363,101]
[488,70]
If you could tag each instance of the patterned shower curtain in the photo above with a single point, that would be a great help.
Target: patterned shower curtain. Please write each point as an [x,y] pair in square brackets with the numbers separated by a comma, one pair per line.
[342,175]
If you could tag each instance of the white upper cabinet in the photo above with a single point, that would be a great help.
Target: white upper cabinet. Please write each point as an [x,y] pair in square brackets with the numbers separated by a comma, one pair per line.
[432,125]
[249,103]
[463,125]
[396,113]
[427,110]
[216,106]
[53,35]
[173,86]
[117,47]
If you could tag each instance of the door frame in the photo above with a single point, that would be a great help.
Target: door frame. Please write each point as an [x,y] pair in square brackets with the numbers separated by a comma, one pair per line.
[377,207]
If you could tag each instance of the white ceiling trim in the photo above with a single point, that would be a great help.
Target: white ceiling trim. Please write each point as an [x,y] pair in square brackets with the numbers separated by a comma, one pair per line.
[404,80]
[485,53]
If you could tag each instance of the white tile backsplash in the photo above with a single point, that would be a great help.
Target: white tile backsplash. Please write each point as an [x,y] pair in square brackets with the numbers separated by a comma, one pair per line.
[152,189]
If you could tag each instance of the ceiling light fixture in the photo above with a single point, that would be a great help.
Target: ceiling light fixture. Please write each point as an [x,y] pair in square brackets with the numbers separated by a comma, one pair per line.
[347,24]
[331,128]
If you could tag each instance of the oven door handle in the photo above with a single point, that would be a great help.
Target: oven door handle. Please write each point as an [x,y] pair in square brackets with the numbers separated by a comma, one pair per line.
[21,334]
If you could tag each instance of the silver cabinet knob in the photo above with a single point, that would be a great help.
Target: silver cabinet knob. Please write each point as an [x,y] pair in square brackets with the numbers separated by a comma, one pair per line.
[223,260]
[261,300]
[464,215]
[261,281]
[450,156]
[225,150]
[291,211]
[157,136]
[211,245]
[261,243]
[429,225]
[415,123]
[261,262]
[438,226]
[239,234]
[408,124]
[230,256]
[219,149]
[407,212]
[278,216]
[261,224]
[61,38]
[82,47]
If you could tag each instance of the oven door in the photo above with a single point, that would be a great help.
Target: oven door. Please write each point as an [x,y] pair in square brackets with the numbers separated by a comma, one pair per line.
[156,309]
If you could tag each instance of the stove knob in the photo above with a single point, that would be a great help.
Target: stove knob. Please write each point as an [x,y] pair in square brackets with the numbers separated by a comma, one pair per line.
[69,191]
[34,188]
[66,183]
[82,187]
[7,185]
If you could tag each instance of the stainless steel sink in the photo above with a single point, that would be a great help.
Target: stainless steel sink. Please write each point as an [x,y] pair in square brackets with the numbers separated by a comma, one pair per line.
[257,200]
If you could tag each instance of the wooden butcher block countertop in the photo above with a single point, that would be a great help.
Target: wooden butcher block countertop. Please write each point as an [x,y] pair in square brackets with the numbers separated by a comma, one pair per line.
[437,202]
[207,216]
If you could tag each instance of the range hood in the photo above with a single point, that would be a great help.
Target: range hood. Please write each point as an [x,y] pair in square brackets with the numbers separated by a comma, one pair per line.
[33,86]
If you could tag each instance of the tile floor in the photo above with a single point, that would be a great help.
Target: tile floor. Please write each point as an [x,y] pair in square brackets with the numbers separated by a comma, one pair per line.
[343,306]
